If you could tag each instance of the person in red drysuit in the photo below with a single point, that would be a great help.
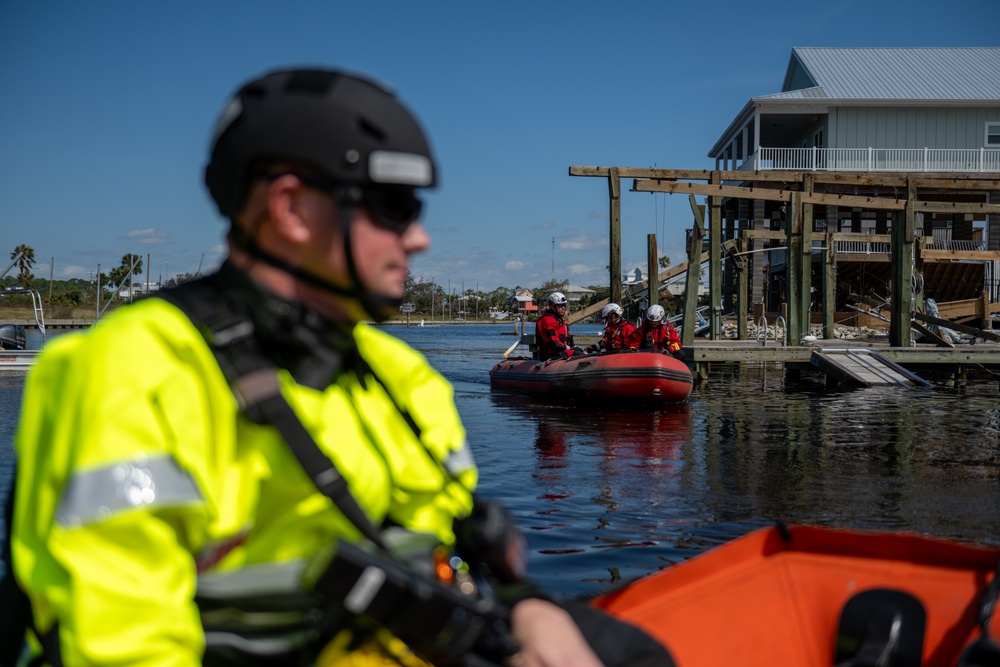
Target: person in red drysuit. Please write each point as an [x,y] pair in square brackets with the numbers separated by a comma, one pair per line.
[619,334]
[657,333]
[551,331]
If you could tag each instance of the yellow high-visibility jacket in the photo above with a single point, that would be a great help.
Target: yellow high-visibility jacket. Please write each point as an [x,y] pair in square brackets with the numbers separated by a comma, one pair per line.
[140,483]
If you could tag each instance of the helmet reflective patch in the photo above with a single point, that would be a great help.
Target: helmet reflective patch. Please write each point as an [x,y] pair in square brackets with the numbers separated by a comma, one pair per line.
[400,168]
[229,114]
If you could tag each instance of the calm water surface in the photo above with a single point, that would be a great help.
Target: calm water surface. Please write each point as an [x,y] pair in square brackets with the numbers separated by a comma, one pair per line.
[609,493]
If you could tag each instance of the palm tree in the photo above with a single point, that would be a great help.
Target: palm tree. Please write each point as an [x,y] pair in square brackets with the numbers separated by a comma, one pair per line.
[25,256]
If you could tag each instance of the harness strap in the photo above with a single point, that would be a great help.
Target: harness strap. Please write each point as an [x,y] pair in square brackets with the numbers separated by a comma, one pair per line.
[254,382]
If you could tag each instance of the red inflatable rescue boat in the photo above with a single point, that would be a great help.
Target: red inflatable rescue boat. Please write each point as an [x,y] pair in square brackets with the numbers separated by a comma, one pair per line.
[817,597]
[629,374]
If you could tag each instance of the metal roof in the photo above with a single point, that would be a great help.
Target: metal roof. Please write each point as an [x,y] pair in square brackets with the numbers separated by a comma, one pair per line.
[925,73]
[884,76]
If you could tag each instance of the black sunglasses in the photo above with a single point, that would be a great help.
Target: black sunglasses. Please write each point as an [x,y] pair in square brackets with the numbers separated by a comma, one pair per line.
[391,208]
[394,209]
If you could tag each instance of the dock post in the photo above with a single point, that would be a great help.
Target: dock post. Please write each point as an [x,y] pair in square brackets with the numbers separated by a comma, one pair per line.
[742,289]
[807,292]
[653,265]
[793,268]
[615,234]
[715,257]
[828,282]
[693,275]
[903,229]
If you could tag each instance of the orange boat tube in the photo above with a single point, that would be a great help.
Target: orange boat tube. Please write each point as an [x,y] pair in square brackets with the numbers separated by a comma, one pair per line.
[638,375]
[812,597]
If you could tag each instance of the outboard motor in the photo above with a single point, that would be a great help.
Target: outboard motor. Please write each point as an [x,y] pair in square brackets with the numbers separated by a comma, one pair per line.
[12,337]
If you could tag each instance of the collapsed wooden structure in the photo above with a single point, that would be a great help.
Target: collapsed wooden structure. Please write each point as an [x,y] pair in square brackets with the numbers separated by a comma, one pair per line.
[801,240]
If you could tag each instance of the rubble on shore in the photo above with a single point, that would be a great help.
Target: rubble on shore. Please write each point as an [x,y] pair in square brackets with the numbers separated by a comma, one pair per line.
[841,332]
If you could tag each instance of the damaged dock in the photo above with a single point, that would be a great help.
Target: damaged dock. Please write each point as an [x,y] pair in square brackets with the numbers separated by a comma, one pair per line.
[864,368]
[957,361]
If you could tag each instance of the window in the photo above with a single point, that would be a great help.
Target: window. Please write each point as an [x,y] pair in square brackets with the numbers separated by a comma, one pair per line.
[993,135]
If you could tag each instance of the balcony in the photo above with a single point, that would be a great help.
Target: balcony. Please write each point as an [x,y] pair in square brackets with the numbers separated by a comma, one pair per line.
[971,160]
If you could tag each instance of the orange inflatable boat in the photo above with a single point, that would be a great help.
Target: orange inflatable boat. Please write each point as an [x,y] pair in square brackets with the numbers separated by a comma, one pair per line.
[809,597]
[628,374]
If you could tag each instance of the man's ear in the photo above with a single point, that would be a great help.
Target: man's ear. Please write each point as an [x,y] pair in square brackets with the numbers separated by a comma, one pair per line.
[287,207]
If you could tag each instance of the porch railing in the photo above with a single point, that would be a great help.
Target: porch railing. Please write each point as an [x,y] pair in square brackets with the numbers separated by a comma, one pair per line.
[874,159]
[883,248]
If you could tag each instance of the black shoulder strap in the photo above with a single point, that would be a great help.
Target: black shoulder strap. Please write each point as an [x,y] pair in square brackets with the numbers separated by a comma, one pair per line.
[253,379]
[15,608]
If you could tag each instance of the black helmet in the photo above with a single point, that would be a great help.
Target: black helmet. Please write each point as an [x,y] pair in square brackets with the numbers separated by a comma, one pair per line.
[350,128]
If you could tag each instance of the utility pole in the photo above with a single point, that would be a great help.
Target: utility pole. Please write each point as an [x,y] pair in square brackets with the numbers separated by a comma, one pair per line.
[553,258]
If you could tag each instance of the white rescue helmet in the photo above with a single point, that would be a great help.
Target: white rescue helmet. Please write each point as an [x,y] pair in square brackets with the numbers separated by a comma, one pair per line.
[557,299]
[655,313]
[611,308]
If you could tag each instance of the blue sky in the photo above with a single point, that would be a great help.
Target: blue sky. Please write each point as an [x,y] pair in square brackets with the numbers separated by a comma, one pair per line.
[106,109]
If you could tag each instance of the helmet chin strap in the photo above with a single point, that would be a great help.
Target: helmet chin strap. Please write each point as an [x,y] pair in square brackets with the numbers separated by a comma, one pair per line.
[378,307]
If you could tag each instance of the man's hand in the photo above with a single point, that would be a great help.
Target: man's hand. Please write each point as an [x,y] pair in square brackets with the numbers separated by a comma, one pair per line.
[549,637]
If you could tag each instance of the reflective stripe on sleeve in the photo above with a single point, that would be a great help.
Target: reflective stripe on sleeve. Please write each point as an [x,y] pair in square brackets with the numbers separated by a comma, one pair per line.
[146,482]
[460,460]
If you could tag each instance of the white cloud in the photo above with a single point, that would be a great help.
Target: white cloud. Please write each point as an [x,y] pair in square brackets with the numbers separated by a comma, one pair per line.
[74,272]
[581,269]
[515,265]
[584,242]
[147,236]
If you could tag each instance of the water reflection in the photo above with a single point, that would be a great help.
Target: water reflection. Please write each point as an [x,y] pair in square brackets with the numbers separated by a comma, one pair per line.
[618,491]
[606,486]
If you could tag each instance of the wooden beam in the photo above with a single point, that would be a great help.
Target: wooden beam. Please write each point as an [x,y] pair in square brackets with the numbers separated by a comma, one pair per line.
[930,334]
[972,331]
[769,194]
[954,207]
[940,181]
[773,234]
[948,255]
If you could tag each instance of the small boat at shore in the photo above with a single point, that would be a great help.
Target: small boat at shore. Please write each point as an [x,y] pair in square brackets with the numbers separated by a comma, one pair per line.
[812,597]
[12,337]
[628,374]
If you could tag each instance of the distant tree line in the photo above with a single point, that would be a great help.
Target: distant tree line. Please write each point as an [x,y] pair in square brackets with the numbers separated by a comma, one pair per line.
[75,292]
[430,299]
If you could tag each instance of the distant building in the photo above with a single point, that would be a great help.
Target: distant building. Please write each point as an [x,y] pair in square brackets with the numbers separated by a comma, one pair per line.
[521,304]
[633,277]
[574,293]
[884,113]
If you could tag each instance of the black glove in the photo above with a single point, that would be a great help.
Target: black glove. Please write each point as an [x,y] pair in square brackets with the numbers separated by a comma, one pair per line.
[678,354]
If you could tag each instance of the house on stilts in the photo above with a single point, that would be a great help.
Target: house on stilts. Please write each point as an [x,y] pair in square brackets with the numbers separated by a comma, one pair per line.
[870,179]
